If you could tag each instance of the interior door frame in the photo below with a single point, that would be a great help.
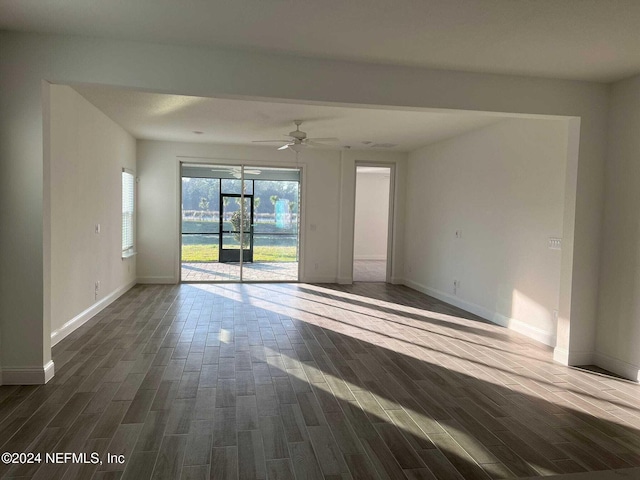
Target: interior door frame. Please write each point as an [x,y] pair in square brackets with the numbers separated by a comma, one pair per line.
[390,214]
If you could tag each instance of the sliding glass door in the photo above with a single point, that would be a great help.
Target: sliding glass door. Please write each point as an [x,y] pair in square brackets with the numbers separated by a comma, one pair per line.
[239,223]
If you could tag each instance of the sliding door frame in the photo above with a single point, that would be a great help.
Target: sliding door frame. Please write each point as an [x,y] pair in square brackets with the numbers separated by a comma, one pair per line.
[214,162]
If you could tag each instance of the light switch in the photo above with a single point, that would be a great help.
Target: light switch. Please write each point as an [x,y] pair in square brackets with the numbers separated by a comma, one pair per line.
[97,229]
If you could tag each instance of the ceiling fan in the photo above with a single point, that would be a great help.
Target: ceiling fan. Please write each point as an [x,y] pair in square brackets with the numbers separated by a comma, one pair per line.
[298,140]
[236,171]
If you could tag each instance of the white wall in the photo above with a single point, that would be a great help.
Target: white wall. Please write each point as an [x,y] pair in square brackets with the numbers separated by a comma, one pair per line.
[371,217]
[28,59]
[87,153]
[480,210]
[618,339]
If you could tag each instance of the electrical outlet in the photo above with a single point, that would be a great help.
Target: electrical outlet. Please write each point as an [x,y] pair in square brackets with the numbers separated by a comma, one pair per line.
[555,243]
[97,229]
[97,289]
[456,286]
[458,233]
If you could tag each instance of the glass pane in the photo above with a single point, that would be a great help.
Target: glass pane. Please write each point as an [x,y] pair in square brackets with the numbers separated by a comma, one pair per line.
[230,185]
[200,205]
[230,207]
[199,248]
[275,226]
[231,241]
[276,206]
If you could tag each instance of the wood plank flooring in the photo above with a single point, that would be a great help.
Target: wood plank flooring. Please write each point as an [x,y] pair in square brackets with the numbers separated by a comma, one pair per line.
[298,381]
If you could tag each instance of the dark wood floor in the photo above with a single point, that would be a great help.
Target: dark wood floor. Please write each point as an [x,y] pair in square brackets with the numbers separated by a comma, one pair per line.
[302,381]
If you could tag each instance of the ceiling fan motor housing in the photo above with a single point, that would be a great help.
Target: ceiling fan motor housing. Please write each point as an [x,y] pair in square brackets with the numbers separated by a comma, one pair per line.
[298,134]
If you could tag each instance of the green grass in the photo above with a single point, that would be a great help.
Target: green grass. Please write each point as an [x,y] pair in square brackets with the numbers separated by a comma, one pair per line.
[209,253]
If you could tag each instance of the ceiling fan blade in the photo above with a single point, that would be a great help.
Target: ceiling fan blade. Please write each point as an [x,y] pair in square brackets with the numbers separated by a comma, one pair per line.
[327,139]
[284,147]
[270,141]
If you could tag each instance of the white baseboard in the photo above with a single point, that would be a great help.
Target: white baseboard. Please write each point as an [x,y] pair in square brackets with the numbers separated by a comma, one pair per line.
[157,280]
[49,370]
[572,357]
[580,358]
[90,312]
[37,375]
[370,257]
[537,334]
[561,356]
[617,366]
[318,280]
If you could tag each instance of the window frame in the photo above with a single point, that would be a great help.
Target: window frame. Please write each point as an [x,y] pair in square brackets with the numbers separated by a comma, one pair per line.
[128,215]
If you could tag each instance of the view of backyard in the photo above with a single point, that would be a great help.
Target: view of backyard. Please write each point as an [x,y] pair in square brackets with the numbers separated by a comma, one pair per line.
[272,238]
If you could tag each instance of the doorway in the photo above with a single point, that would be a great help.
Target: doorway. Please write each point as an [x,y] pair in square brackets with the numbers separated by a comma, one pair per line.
[239,223]
[371,224]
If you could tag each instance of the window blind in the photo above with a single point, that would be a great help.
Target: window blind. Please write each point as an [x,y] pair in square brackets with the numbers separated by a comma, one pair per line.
[128,209]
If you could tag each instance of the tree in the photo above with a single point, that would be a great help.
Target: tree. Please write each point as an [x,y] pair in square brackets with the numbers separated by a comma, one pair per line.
[256,203]
[242,215]
[274,199]
[204,206]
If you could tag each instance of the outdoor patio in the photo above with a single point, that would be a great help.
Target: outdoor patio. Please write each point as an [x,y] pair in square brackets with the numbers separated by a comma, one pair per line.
[230,272]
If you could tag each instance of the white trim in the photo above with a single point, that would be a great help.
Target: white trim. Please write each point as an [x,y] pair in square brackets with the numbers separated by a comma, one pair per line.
[620,367]
[370,257]
[318,280]
[49,370]
[37,375]
[158,280]
[561,356]
[580,358]
[83,317]
[571,357]
[537,334]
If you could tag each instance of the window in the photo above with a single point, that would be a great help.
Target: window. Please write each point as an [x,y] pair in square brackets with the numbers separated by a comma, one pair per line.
[128,212]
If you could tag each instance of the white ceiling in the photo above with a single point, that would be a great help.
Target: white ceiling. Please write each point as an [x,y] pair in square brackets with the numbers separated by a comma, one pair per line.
[154,116]
[577,39]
